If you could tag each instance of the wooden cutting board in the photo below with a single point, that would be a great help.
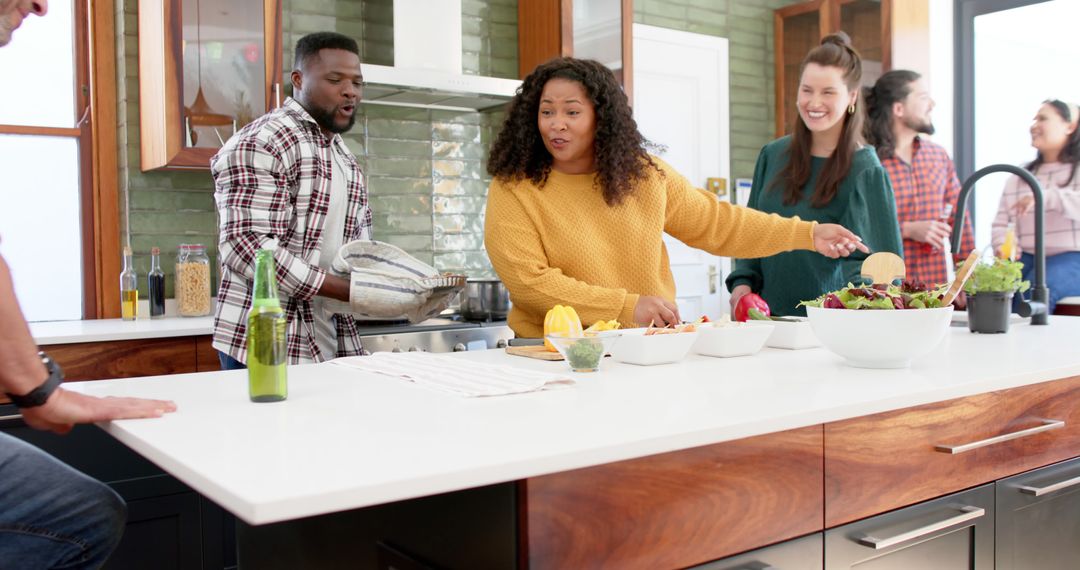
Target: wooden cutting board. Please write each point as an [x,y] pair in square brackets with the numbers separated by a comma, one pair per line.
[534,351]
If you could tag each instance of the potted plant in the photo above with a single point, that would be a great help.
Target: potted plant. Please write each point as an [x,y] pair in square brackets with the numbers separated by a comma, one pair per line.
[990,291]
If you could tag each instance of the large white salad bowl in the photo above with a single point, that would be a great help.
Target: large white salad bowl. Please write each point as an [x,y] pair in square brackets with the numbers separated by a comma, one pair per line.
[880,338]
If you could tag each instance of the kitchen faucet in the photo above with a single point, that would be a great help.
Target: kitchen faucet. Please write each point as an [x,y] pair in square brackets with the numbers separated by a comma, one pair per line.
[1037,307]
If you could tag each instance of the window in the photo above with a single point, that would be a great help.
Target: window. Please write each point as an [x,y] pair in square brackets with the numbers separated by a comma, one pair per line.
[45,151]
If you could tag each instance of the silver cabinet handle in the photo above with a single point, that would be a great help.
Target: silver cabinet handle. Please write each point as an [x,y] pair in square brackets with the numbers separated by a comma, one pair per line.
[11,417]
[966,513]
[277,95]
[1047,425]
[1040,491]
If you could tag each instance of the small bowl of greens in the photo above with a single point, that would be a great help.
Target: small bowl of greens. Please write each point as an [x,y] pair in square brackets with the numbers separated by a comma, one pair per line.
[583,353]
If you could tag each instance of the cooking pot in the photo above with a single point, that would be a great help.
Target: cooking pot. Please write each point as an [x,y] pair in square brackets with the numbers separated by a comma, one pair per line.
[485,300]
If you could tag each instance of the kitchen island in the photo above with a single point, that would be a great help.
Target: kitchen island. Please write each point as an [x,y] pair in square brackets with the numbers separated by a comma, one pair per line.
[346,439]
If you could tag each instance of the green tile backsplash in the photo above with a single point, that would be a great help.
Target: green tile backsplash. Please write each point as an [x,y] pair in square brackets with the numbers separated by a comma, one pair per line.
[424,168]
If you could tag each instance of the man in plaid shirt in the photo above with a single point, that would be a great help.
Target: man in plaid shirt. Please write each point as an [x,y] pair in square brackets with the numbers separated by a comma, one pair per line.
[287,182]
[922,174]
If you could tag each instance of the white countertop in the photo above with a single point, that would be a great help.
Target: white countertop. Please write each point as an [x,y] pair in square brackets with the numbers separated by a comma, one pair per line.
[347,439]
[68,332]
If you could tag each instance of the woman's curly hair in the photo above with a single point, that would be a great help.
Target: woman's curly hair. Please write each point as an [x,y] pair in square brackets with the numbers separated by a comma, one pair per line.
[621,156]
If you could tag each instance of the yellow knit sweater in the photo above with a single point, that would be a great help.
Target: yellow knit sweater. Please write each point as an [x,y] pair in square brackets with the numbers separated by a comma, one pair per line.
[562,244]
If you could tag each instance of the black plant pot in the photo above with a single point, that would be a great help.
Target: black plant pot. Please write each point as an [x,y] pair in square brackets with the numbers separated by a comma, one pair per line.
[989,312]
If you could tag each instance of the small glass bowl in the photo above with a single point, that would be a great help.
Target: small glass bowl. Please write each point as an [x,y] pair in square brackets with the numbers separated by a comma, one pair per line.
[583,353]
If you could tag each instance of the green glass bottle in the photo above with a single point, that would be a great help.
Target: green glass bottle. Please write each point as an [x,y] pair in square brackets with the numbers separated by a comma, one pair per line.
[266,350]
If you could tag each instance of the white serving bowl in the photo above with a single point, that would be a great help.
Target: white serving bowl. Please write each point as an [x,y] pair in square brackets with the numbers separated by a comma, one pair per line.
[880,338]
[790,335]
[635,347]
[732,339]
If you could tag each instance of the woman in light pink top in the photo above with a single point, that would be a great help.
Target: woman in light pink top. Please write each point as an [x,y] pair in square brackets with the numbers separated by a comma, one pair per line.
[1056,139]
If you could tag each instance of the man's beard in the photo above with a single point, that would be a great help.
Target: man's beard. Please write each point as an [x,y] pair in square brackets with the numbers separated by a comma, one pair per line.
[325,118]
[924,127]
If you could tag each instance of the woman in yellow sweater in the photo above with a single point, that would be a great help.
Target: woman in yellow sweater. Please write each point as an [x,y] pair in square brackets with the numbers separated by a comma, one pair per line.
[577,207]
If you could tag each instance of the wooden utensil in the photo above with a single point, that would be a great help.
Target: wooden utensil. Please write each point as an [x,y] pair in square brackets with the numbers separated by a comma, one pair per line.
[535,351]
[883,267]
[962,275]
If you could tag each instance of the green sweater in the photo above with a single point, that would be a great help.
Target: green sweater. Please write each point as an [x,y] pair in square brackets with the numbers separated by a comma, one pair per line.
[864,204]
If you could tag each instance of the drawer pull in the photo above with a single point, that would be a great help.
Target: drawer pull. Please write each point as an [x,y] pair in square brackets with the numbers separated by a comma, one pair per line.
[1047,425]
[10,417]
[1040,491]
[967,513]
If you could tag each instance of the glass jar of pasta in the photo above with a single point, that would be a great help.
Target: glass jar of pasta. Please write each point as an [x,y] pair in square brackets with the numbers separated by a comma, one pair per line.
[192,281]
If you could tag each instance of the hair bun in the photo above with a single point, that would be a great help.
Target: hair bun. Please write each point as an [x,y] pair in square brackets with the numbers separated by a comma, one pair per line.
[839,38]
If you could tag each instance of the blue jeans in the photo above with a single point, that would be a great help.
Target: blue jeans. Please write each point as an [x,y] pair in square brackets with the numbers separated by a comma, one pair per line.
[52,516]
[1062,275]
[230,363]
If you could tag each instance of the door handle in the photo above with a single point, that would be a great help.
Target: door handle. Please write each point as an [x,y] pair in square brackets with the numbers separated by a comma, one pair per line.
[277,95]
[1047,425]
[1040,491]
[967,513]
[713,274]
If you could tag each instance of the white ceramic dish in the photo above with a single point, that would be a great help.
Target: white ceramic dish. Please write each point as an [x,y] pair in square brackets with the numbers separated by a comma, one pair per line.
[880,338]
[732,339]
[792,336]
[635,347]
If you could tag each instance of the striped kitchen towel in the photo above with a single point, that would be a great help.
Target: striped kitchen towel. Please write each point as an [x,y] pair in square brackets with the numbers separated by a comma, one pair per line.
[456,375]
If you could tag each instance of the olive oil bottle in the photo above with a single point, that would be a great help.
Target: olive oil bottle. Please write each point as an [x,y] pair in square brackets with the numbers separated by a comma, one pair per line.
[129,289]
[266,349]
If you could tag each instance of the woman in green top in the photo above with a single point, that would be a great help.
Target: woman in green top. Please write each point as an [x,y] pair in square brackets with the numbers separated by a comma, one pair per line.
[824,172]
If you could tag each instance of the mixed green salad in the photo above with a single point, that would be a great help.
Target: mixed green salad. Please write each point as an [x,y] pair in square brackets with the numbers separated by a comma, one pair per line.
[906,296]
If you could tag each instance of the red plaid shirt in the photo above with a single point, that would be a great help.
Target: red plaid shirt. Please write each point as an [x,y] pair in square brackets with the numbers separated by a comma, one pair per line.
[922,190]
[272,188]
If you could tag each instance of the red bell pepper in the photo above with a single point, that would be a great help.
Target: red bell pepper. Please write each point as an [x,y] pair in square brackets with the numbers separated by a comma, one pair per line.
[747,302]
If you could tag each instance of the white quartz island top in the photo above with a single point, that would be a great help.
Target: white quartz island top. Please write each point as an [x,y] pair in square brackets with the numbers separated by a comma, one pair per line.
[68,332]
[346,439]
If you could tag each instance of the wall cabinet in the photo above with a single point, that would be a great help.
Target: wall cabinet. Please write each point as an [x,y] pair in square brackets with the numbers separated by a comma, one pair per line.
[591,29]
[205,70]
[798,28]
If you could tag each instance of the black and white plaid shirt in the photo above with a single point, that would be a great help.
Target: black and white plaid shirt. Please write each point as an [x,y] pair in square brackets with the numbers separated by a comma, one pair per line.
[272,188]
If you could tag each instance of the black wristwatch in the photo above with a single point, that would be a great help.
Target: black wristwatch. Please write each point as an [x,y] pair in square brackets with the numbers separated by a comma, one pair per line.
[39,395]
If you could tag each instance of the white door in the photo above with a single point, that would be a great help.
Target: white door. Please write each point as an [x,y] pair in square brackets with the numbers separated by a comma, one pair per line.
[681,102]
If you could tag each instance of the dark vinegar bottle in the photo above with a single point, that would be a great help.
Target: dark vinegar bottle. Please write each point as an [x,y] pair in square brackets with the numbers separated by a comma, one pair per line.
[156,285]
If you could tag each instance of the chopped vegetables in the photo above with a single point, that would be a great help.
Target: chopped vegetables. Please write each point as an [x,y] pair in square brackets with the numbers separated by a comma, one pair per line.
[890,297]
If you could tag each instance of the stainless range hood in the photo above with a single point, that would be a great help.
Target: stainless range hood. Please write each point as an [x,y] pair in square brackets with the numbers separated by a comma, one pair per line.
[427,64]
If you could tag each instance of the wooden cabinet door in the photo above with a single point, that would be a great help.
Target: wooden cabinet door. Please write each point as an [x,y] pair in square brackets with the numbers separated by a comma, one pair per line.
[881,462]
[125,358]
[676,509]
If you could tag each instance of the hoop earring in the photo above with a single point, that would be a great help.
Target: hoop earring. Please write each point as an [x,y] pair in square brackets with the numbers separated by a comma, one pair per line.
[851,109]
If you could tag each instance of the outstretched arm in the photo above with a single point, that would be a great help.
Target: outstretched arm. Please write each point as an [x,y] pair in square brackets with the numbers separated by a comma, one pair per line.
[21,371]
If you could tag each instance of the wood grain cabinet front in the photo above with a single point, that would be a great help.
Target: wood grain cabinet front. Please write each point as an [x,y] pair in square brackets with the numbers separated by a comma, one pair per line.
[131,358]
[675,509]
[881,462]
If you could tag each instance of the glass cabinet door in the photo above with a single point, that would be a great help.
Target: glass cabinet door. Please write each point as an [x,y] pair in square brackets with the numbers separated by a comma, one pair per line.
[223,62]
[206,69]
[862,20]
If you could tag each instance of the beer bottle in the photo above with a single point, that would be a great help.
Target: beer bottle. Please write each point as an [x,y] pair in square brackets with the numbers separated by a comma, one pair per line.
[266,336]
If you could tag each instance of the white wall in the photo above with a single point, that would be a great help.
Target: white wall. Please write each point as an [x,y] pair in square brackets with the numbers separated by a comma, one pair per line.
[941,72]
